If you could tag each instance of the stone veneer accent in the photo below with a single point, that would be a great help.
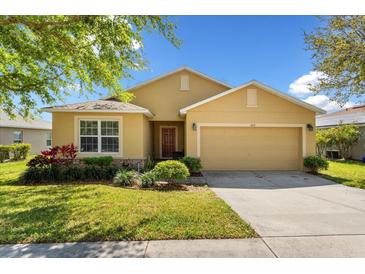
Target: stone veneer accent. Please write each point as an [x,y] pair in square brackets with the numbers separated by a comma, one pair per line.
[132,163]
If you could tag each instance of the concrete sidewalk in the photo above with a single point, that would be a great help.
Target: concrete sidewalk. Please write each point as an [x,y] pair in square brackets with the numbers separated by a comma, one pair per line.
[227,248]
[334,246]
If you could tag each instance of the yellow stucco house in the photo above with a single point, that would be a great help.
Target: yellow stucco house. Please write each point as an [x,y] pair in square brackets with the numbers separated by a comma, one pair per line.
[184,112]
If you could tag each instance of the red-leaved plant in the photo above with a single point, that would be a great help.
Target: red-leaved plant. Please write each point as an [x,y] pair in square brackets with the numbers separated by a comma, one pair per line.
[65,154]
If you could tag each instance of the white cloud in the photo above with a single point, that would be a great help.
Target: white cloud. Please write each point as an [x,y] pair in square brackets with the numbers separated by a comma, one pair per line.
[136,45]
[324,102]
[300,87]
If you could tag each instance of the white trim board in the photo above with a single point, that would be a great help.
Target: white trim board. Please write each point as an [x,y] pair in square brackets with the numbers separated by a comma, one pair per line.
[176,139]
[285,96]
[252,125]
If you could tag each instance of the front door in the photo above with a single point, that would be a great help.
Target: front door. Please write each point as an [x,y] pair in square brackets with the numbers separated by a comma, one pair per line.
[168,142]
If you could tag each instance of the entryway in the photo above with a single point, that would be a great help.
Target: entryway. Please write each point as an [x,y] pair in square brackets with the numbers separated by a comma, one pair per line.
[168,139]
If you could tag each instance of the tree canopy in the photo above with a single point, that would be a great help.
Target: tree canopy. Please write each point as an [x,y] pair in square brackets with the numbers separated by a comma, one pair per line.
[338,47]
[46,57]
[341,137]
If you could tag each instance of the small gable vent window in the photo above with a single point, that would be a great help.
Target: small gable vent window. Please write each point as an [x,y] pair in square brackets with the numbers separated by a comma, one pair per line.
[184,82]
[251,98]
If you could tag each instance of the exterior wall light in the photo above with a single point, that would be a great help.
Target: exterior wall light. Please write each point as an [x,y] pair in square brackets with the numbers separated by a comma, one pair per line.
[309,127]
[194,126]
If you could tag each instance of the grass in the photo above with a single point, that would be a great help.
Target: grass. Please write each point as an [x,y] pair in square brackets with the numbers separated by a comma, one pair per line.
[349,173]
[67,213]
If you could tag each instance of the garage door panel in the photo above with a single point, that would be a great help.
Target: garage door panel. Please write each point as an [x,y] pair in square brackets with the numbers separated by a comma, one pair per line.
[250,148]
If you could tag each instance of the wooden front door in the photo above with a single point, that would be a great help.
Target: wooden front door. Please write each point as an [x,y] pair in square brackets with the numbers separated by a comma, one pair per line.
[168,142]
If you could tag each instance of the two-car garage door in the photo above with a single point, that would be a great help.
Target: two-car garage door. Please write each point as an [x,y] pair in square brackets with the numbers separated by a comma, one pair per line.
[245,148]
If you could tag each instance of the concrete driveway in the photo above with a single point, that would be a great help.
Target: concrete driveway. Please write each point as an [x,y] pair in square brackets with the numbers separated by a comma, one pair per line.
[297,214]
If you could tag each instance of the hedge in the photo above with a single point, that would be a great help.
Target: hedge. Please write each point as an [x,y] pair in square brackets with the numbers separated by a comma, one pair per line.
[14,152]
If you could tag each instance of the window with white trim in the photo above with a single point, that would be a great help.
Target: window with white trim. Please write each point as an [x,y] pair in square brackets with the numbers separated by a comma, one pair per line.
[184,82]
[48,139]
[99,136]
[18,137]
[109,136]
[251,97]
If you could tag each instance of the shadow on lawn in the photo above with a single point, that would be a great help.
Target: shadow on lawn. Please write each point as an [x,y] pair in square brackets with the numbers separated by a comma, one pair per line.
[41,215]
[344,181]
[47,216]
[75,250]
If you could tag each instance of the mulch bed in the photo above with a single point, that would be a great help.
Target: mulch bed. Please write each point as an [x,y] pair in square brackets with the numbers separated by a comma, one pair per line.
[196,174]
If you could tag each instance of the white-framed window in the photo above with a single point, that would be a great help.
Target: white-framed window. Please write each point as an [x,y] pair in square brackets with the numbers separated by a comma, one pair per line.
[109,136]
[251,98]
[184,82]
[17,136]
[99,136]
[48,139]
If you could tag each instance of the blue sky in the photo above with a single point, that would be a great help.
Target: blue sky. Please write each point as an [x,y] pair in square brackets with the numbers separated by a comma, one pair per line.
[235,49]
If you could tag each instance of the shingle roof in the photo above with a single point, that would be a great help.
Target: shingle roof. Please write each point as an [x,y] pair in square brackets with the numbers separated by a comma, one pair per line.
[20,122]
[353,115]
[102,105]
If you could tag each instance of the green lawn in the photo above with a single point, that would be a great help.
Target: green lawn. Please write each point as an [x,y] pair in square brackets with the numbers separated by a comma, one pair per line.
[349,173]
[62,213]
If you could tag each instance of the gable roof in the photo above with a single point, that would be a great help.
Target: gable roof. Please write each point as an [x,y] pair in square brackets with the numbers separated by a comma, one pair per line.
[352,115]
[20,122]
[176,71]
[102,105]
[261,85]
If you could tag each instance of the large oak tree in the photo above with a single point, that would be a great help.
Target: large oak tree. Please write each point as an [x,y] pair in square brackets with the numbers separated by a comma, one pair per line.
[338,47]
[47,57]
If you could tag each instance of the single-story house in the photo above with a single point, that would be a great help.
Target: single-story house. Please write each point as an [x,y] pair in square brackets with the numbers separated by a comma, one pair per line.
[353,115]
[36,132]
[249,127]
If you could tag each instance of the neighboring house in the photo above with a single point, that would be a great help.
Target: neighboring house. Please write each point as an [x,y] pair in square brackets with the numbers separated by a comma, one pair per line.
[353,115]
[250,127]
[36,132]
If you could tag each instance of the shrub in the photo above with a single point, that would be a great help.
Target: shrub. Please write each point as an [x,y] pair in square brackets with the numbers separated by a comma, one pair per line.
[315,163]
[98,161]
[171,170]
[193,164]
[324,140]
[65,154]
[342,137]
[148,179]
[149,165]
[125,177]
[4,153]
[17,151]
[39,161]
[40,175]
[68,173]
[95,173]
[20,151]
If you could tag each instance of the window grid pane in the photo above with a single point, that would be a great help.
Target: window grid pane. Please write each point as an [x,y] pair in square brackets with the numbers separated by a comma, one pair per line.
[89,128]
[109,128]
[89,144]
[109,144]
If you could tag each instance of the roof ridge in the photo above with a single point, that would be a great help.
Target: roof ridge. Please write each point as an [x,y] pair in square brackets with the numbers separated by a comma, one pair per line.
[161,76]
